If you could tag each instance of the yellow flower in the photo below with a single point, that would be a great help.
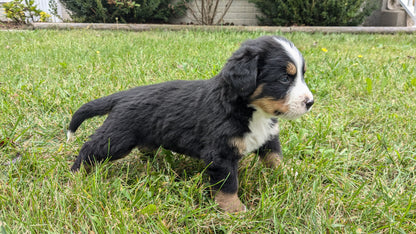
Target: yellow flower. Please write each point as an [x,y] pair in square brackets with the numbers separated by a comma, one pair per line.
[324,50]
[44,17]
[98,52]
[360,56]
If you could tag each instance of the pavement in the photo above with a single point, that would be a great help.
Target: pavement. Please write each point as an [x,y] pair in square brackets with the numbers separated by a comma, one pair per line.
[173,27]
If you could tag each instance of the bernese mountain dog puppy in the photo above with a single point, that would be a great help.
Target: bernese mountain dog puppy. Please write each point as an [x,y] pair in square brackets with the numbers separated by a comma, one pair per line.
[219,120]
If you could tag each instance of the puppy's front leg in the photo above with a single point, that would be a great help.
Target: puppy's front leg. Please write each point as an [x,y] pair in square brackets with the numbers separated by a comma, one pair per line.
[224,178]
[271,153]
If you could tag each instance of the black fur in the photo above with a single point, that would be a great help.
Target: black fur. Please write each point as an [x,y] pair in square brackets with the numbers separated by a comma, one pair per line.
[195,118]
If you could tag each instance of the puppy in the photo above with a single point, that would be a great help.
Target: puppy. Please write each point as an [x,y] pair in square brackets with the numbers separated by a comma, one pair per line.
[217,120]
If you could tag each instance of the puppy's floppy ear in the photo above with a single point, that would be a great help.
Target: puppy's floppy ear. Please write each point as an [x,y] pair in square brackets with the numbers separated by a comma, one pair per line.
[240,72]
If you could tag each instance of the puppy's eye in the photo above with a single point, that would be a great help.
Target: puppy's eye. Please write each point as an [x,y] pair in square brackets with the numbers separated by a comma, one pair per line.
[285,79]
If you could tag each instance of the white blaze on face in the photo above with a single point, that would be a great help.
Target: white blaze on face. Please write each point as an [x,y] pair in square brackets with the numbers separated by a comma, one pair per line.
[299,93]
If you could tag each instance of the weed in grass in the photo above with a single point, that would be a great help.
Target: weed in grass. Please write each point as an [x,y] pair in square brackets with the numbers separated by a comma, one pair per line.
[349,165]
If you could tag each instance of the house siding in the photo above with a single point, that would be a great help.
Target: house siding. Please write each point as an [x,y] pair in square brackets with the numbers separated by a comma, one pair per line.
[241,12]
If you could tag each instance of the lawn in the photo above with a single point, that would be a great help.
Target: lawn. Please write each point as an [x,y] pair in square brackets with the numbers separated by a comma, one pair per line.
[349,165]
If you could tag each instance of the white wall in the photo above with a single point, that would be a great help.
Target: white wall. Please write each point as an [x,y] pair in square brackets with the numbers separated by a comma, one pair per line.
[241,12]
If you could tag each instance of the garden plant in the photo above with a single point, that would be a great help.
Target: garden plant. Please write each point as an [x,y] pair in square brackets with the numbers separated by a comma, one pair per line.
[314,13]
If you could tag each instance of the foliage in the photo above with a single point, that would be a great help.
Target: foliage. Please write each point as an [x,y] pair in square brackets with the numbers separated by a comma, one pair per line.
[15,11]
[23,11]
[349,165]
[125,11]
[53,6]
[314,13]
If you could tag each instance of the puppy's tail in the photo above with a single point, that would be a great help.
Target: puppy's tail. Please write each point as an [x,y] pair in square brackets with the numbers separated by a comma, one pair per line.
[93,108]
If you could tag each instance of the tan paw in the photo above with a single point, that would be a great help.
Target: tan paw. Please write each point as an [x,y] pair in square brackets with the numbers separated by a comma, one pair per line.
[272,160]
[230,203]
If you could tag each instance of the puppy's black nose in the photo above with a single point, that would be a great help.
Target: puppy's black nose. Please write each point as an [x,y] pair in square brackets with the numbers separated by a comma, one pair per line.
[309,103]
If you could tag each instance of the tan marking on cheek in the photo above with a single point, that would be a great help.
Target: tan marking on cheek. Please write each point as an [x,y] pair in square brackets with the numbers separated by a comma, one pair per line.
[238,143]
[291,69]
[257,92]
[271,105]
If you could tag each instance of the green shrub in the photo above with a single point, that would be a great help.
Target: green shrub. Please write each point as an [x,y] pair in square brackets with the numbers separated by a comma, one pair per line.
[314,12]
[24,11]
[124,11]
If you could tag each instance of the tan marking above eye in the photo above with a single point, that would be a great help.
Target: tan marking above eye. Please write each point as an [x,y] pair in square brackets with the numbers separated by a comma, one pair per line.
[271,105]
[291,69]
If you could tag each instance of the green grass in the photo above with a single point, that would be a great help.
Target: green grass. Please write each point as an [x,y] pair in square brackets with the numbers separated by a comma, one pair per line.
[349,165]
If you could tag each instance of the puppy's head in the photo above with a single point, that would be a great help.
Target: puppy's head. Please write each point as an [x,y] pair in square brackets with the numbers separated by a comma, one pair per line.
[269,73]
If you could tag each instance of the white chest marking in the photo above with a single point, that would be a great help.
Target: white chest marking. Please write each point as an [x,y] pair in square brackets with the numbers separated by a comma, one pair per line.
[262,128]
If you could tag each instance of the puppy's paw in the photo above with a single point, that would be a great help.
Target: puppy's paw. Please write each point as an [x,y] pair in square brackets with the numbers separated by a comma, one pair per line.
[272,160]
[229,202]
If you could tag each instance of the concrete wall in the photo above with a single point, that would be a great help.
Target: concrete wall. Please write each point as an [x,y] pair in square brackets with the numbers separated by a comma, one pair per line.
[390,13]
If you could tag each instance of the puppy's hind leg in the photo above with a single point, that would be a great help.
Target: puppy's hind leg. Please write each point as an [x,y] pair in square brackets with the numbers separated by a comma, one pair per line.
[84,153]
[102,146]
